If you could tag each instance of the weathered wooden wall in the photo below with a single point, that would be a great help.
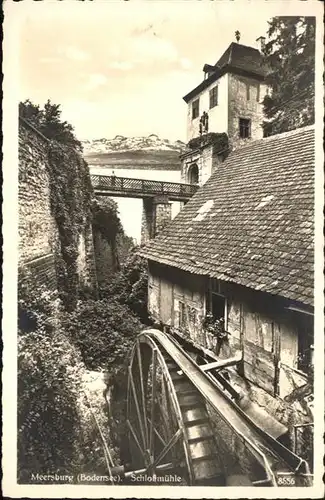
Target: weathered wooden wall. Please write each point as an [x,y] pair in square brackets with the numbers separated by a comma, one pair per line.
[258,326]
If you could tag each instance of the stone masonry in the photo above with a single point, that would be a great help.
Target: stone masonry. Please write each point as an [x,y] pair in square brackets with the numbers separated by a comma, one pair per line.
[156,213]
[39,242]
[245,97]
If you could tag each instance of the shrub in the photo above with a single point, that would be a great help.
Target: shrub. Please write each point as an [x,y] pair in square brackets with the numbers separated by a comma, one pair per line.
[130,285]
[56,429]
[48,121]
[49,370]
[104,331]
[219,141]
[38,307]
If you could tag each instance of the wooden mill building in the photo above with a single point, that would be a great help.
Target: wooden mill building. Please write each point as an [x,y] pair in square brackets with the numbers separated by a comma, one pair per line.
[240,254]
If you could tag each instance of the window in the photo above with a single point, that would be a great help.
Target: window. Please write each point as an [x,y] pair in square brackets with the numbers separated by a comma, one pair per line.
[214,97]
[258,92]
[305,343]
[248,94]
[195,108]
[244,128]
[218,316]
[218,304]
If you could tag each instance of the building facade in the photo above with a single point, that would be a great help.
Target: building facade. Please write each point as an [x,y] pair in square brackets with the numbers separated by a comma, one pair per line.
[233,273]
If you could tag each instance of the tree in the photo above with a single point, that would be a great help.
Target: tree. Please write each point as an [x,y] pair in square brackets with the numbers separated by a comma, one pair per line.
[48,121]
[290,59]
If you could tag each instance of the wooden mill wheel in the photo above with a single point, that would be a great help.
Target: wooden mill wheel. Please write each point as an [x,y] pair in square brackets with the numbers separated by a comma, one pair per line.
[168,424]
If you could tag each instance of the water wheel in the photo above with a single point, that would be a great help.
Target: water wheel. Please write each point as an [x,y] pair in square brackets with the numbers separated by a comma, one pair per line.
[168,424]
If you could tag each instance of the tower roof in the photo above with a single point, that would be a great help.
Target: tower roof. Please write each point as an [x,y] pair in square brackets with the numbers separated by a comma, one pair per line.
[242,57]
[239,59]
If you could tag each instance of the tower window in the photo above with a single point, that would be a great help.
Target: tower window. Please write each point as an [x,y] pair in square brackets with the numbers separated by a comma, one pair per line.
[214,97]
[258,92]
[244,128]
[248,93]
[195,108]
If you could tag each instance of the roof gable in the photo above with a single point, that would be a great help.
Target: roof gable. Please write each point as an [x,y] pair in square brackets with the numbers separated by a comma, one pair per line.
[237,58]
[252,223]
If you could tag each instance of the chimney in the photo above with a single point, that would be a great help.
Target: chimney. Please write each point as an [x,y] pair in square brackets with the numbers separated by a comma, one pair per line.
[260,43]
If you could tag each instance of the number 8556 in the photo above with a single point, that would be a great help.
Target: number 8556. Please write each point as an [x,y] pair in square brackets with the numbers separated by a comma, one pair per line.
[286,481]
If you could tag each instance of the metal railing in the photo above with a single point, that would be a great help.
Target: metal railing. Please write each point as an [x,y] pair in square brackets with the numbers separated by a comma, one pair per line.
[143,187]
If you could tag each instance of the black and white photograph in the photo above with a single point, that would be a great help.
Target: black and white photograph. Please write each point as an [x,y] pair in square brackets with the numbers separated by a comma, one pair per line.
[163,249]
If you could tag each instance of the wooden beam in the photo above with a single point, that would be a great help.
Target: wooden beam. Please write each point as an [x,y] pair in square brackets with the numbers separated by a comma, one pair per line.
[223,363]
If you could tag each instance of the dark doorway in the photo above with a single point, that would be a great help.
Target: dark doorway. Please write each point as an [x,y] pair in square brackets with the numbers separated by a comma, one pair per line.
[193,174]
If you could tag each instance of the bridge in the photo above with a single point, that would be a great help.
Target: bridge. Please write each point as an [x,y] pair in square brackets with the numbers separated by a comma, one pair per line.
[110,185]
[156,196]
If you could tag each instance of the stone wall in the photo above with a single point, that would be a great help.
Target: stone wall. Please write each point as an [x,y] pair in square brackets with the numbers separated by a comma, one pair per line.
[37,230]
[203,158]
[39,242]
[156,213]
[206,160]
[147,220]
[245,96]
[42,272]
[162,213]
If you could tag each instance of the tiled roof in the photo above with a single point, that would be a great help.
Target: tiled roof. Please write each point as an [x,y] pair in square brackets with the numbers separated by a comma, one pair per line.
[252,223]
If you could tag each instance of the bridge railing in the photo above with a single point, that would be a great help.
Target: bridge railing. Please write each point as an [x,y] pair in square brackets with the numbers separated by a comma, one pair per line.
[142,186]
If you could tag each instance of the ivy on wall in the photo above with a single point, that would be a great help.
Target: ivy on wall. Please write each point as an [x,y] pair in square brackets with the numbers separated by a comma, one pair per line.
[106,220]
[71,204]
[219,142]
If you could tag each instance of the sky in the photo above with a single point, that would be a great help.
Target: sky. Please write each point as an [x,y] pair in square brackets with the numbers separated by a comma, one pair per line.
[120,67]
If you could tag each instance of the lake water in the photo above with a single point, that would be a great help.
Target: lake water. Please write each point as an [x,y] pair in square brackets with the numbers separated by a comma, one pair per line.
[130,209]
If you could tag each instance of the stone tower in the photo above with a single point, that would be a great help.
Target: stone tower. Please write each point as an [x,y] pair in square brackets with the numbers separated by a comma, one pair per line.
[228,100]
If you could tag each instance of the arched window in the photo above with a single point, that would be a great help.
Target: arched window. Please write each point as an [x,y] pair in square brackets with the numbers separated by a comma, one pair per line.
[193,174]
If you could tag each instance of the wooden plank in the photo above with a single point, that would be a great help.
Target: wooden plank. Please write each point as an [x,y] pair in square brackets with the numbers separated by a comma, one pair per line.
[259,377]
[259,330]
[277,355]
[262,360]
[223,363]
[259,366]
[202,449]
[206,469]
[199,431]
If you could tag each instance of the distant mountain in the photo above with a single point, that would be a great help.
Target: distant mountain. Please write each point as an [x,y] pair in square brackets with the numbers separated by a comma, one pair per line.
[122,144]
[134,152]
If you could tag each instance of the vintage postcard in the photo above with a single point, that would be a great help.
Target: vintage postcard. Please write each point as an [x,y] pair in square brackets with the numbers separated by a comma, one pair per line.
[163,249]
